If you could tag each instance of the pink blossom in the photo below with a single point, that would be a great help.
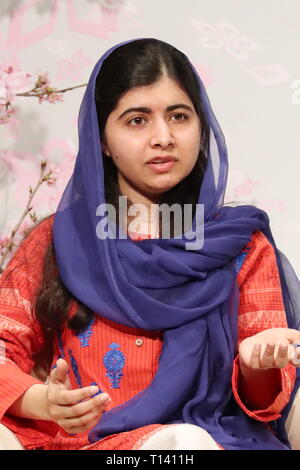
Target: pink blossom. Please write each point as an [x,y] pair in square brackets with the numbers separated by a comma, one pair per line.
[45,91]
[63,170]
[12,81]
[51,97]
[7,113]
[42,79]
[53,174]
[3,242]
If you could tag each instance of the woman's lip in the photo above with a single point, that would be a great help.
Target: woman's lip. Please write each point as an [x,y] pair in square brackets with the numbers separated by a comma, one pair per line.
[161,167]
[163,158]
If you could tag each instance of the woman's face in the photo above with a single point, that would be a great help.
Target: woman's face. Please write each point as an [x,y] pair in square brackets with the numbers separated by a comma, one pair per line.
[158,120]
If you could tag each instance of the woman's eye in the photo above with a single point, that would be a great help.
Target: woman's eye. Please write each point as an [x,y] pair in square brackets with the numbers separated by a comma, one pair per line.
[180,117]
[137,121]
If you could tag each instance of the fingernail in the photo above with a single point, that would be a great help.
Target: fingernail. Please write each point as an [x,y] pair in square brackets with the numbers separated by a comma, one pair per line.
[295,359]
[106,402]
[105,398]
[94,390]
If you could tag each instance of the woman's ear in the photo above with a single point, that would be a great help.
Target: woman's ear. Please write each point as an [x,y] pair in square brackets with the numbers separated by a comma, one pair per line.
[105,150]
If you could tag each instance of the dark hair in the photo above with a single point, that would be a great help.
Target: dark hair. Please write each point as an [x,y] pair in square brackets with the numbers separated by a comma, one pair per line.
[137,63]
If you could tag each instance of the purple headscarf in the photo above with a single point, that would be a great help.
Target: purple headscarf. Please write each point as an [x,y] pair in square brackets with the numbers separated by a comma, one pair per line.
[156,284]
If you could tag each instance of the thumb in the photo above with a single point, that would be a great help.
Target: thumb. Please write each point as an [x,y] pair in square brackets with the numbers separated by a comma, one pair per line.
[60,373]
[294,335]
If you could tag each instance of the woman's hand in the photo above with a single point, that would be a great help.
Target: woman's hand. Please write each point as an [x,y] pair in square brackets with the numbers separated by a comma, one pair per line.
[272,348]
[74,410]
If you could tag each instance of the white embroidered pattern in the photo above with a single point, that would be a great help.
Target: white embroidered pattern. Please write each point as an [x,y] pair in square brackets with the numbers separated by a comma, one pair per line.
[12,298]
[262,319]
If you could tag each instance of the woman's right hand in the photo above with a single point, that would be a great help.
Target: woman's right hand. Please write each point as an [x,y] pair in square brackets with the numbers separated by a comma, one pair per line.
[74,410]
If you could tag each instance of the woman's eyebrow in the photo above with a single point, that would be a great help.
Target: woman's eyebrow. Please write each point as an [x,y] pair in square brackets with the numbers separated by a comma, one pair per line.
[142,109]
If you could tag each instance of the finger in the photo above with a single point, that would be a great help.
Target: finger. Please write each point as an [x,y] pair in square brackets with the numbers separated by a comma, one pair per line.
[97,403]
[268,356]
[293,335]
[80,429]
[60,372]
[63,414]
[255,356]
[295,354]
[83,420]
[281,358]
[73,425]
[71,397]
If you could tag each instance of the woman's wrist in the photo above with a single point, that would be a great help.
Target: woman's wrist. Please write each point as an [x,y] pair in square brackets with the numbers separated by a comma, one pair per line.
[33,404]
[259,387]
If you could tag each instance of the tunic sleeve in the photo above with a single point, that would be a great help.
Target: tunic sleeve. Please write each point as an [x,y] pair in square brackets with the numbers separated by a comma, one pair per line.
[261,307]
[21,337]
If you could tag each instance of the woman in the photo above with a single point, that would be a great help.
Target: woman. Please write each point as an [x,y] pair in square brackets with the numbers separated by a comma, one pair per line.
[174,337]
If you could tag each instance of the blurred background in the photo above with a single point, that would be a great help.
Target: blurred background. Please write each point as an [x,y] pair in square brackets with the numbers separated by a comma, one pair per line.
[247,53]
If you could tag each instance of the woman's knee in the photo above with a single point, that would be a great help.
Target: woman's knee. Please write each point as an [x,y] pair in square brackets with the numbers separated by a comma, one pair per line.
[8,440]
[180,437]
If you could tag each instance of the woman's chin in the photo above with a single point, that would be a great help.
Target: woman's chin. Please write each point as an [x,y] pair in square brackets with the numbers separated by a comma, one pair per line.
[157,195]
[160,189]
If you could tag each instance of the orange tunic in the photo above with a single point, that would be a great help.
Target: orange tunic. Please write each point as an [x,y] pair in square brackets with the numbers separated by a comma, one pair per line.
[21,340]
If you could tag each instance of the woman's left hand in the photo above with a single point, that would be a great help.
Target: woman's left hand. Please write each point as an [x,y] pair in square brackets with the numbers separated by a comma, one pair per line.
[272,348]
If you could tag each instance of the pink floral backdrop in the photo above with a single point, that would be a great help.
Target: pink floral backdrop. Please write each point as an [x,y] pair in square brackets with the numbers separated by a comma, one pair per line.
[248,60]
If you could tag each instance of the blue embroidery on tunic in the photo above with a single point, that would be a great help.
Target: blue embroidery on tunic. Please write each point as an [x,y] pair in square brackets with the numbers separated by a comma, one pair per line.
[114,362]
[239,261]
[61,353]
[75,368]
[60,346]
[85,335]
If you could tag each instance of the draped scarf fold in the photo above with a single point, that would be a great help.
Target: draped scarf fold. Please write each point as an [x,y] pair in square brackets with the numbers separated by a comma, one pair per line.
[157,284]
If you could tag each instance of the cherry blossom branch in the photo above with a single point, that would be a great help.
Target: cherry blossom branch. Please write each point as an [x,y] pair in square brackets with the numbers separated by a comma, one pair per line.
[50,90]
[42,90]
[9,244]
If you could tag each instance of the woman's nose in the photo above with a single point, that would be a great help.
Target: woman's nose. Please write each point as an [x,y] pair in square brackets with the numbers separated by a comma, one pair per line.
[162,136]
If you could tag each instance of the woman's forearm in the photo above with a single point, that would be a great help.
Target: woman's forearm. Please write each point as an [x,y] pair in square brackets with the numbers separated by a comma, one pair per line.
[258,388]
[32,404]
